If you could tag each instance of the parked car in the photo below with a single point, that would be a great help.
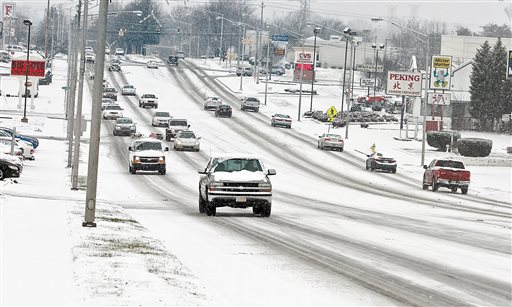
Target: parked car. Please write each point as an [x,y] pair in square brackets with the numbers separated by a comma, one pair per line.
[175,125]
[237,181]
[147,154]
[32,140]
[89,49]
[152,64]
[124,126]
[281,120]
[247,71]
[128,90]
[212,102]
[277,70]
[186,139]
[112,112]
[331,141]
[5,57]
[48,77]
[110,92]
[446,173]
[119,51]
[223,110]
[250,103]
[10,166]
[377,161]
[6,147]
[27,150]
[160,119]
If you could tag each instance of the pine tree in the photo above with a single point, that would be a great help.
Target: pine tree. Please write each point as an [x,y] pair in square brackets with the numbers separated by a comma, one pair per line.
[479,88]
[496,105]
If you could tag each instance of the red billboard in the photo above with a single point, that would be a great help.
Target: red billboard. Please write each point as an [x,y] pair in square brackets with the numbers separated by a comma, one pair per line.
[35,68]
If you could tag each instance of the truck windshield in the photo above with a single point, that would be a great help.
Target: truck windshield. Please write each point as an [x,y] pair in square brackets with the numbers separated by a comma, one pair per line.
[147,146]
[451,164]
[236,165]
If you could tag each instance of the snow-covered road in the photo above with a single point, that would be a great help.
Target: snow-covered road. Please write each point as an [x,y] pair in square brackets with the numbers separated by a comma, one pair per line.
[337,235]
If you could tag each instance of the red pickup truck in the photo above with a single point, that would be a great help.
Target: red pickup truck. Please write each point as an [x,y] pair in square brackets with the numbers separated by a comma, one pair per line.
[446,173]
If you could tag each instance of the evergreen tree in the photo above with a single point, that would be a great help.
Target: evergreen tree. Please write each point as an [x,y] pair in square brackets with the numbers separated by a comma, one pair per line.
[479,88]
[498,58]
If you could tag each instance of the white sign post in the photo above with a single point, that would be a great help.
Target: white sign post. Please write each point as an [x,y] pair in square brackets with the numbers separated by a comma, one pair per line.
[441,72]
[404,83]
[440,99]
[509,64]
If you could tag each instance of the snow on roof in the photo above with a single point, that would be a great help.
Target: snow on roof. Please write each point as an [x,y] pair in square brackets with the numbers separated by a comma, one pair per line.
[225,156]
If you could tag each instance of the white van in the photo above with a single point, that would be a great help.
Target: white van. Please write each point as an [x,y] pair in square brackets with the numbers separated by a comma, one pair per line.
[15,48]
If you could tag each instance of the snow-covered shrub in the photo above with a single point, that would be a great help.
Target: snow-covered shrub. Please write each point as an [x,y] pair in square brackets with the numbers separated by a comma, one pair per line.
[441,139]
[473,147]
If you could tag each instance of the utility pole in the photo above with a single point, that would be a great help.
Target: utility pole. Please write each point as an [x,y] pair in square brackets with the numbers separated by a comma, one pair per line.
[72,85]
[69,68]
[352,58]
[243,55]
[78,126]
[94,147]
[221,53]
[258,41]
[47,29]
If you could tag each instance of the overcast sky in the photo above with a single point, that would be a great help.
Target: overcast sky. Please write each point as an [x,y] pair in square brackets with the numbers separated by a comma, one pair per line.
[472,14]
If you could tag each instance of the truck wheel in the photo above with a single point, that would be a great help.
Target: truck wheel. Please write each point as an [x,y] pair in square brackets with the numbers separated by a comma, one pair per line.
[132,170]
[372,168]
[202,204]
[454,189]
[424,185]
[256,210]
[1,174]
[464,190]
[393,171]
[266,209]
[162,171]
[211,210]
[435,185]
[366,166]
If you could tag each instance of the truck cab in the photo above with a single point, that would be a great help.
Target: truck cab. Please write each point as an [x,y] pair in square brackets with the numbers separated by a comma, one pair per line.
[147,154]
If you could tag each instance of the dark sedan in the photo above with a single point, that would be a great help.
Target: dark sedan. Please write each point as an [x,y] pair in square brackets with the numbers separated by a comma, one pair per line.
[110,92]
[10,166]
[377,161]
[223,111]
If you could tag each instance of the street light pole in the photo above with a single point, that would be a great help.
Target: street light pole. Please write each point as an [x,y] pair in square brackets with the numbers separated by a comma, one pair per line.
[78,125]
[221,53]
[344,74]
[267,72]
[94,147]
[243,54]
[29,24]
[315,31]
[376,62]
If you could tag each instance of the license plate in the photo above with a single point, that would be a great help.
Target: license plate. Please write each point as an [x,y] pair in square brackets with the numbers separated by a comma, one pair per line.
[241,199]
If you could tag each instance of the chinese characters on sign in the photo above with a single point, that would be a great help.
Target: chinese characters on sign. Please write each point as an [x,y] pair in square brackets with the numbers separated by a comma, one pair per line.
[441,99]
[8,10]
[404,83]
[440,76]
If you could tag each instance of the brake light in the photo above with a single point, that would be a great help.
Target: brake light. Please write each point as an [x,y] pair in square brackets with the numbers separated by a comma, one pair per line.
[442,172]
[328,139]
[31,151]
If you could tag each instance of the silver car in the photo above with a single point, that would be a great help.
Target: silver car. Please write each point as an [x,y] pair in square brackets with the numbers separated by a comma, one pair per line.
[128,90]
[331,141]
[124,126]
[212,103]
[186,139]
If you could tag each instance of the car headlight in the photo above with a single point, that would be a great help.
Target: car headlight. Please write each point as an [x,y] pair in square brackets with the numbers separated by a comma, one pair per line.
[214,185]
[266,186]
[136,159]
[13,167]
[118,128]
[161,160]
[197,142]
[179,142]
[132,128]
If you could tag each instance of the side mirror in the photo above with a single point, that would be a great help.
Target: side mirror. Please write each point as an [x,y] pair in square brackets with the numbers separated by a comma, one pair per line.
[188,126]
[368,156]
[201,171]
[166,148]
[130,148]
[271,172]
[319,136]
[425,167]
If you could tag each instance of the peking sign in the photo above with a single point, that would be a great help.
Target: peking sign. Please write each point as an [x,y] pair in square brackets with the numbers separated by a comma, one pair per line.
[404,83]
[35,68]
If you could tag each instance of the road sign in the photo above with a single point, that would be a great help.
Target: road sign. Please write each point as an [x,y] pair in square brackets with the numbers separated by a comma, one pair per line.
[35,68]
[280,38]
[367,82]
[509,64]
[440,99]
[331,113]
[404,83]
[8,10]
[369,68]
[279,51]
[440,76]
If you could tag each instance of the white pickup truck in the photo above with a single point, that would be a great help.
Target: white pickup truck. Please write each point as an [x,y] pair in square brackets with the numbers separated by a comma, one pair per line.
[147,154]
[148,100]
